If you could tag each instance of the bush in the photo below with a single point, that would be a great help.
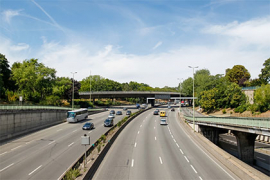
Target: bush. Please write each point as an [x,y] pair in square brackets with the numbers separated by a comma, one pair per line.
[224,111]
[241,109]
[72,174]
[103,138]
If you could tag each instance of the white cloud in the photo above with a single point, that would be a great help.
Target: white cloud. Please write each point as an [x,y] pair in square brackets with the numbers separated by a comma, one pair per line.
[157,45]
[9,14]
[255,31]
[19,47]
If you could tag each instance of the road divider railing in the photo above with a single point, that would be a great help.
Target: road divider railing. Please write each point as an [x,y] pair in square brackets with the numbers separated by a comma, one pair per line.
[236,121]
[102,146]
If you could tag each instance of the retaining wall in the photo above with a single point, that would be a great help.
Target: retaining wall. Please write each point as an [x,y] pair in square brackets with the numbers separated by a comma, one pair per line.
[18,122]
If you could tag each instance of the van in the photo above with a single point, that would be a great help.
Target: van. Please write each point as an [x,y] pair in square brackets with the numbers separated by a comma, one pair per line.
[162,114]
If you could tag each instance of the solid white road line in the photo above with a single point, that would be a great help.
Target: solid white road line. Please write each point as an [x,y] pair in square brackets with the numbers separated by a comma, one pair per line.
[35,170]
[3,153]
[51,142]
[6,167]
[181,151]
[71,144]
[200,178]
[193,169]
[187,159]
[16,148]
[135,144]
[132,163]
[160,160]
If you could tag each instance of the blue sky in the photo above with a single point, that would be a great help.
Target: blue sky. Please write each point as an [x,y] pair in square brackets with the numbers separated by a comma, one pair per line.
[151,42]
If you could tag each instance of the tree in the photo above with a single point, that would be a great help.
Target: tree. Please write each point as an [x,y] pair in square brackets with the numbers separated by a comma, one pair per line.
[262,98]
[5,73]
[208,99]
[187,87]
[265,72]
[234,96]
[238,74]
[69,91]
[34,80]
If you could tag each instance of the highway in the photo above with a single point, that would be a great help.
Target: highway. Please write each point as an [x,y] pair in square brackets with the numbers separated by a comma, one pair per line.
[48,153]
[147,150]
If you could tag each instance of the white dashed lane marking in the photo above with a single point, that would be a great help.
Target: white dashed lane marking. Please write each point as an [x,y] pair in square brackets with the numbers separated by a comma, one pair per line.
[6,167]
[35,170]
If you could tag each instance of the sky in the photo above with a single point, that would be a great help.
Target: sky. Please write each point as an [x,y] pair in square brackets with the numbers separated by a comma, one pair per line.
[147,41]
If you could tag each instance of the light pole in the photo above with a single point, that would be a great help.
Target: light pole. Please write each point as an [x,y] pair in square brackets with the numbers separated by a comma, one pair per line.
[73,89]
[193,98]
[90,86]
[180,79]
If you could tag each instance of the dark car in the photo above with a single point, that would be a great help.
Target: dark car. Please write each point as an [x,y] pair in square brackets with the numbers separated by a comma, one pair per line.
[119,113]
[88,126]
[172,109]
[108,122]
[112,112]
[125,108]
[128,113]
[155,112]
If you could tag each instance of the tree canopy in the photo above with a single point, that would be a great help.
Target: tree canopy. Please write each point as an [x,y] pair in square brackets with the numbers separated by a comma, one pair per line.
[238,74]
[265,72]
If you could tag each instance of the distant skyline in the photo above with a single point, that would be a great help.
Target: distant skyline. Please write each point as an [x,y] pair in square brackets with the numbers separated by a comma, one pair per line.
[146,41]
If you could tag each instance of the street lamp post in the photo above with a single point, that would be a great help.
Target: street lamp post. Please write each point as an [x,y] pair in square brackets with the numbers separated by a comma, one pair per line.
[180,79]
[73,89]
[90,86]
[193,98]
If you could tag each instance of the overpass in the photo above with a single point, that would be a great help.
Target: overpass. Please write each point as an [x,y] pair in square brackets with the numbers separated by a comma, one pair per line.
[245,130]
[149,95]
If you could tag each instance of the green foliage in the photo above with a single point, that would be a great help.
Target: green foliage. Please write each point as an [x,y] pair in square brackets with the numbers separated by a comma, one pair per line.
[238,74]
[34,80]
[82,103]
[234,96]
[224,111]
[187,87]
[241,109]
[265,72]
[262,98]
[103,138]
[119,123]
[99,148]
[51,100]
[72,174]
[208,100]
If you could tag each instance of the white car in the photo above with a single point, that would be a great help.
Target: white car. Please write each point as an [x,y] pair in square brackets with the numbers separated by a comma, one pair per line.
[111,116]
[163,122]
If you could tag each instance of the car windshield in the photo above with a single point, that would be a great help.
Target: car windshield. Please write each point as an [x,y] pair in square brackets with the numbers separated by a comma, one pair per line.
[107,120]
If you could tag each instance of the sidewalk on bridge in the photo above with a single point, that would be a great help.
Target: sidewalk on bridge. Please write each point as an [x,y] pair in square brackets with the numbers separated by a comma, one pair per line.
[239,168]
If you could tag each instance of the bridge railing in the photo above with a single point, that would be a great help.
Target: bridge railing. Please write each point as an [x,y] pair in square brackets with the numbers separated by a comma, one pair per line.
[249,122]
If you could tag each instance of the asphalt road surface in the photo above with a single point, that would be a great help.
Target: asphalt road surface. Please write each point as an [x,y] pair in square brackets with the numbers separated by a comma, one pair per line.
[147,150]
[48,153]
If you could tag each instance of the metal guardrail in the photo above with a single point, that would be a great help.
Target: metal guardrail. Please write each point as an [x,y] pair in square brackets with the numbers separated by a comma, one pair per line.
[127,92]
[250,122]
[32,107]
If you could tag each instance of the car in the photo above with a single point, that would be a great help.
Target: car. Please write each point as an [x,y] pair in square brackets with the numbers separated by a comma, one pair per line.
[111,116]
[108,122]
[169,107]
[155,112]
[125,108]
[112,112]
[128,113]
[163,122]
[88,126]
[172,109]
[119,113]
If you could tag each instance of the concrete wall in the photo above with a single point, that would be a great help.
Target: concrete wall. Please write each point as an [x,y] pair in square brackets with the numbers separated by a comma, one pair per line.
[18,122]
[250,95]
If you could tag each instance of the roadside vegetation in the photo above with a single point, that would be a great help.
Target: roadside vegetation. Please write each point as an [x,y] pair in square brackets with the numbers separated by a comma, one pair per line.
[222,91]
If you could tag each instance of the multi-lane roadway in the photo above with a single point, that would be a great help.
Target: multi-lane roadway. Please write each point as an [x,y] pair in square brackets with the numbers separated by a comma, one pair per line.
[48,153]
[147,150]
